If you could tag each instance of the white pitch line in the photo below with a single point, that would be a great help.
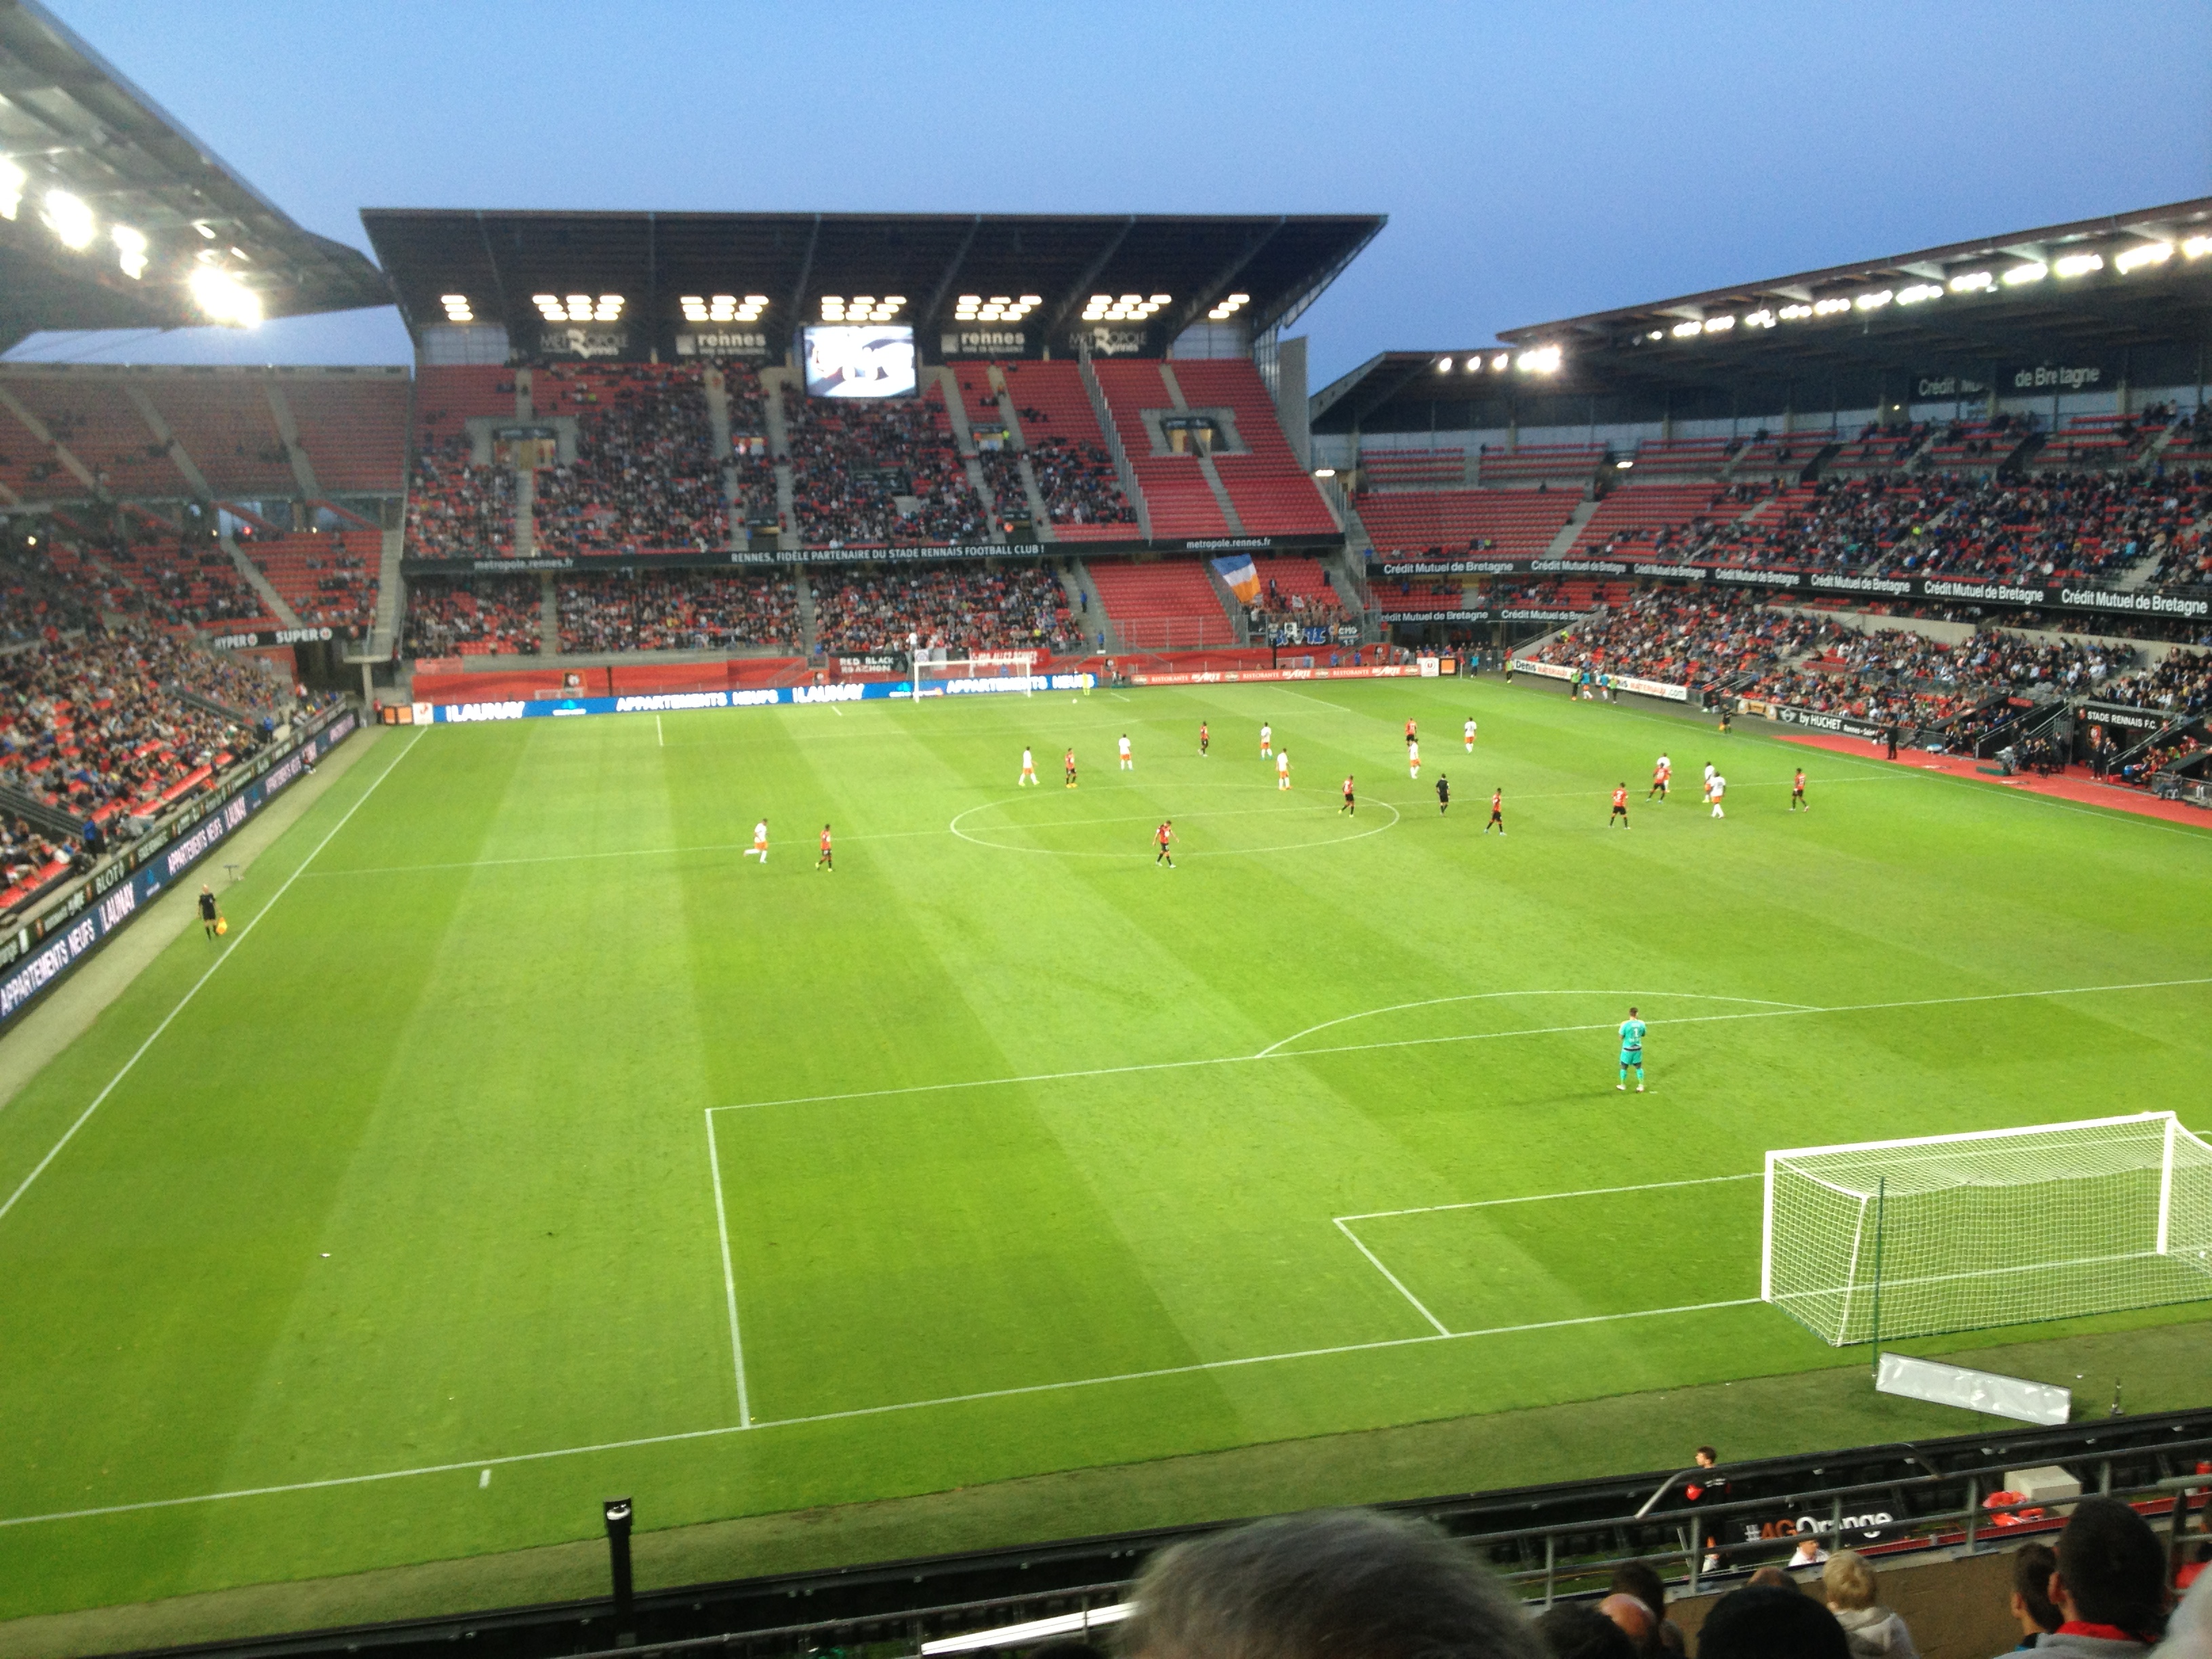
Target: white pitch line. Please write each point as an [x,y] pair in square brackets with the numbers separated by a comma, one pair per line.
[1785,1012]
[1396,1283]
[729,1278]
[1542,1198]
[620,853]
[214,968]
[660,737]
[724,1431]
[1487,996]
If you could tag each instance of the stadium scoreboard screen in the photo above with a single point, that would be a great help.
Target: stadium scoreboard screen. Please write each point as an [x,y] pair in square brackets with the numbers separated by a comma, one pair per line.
[872,360]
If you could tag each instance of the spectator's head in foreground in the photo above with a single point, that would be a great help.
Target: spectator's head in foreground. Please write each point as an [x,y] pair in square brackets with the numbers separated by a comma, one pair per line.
[1633,1615]
[1337,1584]
[1771,1624]
[2032,1567]
[1575,1630]
[1848,1582]
[1771,1578]
[2111,1571]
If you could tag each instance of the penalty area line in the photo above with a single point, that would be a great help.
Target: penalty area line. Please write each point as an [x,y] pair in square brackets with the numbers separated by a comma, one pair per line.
[722,1431]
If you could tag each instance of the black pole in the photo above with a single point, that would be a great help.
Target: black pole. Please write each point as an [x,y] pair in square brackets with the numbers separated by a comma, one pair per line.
[617,1514]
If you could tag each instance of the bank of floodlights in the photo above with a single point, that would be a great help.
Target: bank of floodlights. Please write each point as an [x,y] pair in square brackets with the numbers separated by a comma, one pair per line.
[723,307]
[994,307]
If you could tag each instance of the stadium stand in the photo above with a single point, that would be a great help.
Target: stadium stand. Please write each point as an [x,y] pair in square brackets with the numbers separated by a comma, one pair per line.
[1648,519]
[328,580]
[1513,523]
[1296,592]
[1177,495]
[1272,494]
[677,610]
[1552,464]
[225,424]
[1155,606]
[92,418]
[474,615]
[1702,458]
[1074,470]
[455,508]
[853,462]
[354,429]
[646,478]
[1017,608]
[1685,640]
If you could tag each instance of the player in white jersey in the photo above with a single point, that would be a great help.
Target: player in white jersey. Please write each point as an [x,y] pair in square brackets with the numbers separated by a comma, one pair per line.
[759,849]
[1283,771]
[1413,758]
[1663,773]
[1029,769]
[1711,772]
[1267,739]
[1127,765]
[1714,790]
[1468,734]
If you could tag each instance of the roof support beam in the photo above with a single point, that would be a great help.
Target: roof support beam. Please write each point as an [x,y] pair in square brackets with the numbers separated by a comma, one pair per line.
[951,271]
[806,274]
[1197,305]
[1081,286]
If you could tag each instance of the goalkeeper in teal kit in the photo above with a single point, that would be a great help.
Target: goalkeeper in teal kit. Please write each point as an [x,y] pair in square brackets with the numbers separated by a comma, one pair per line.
[1632,1051]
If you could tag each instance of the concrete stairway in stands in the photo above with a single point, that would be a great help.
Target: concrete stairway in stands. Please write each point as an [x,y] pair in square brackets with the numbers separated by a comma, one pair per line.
[288,428]
[718,430]
[388,595]
[773,380]
[805,589]
[1040,516]
[1581,515]
[549,615]
[1087,607]
[254,577]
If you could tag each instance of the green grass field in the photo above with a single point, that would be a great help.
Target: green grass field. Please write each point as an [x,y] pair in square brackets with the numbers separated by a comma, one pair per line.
[530,1144]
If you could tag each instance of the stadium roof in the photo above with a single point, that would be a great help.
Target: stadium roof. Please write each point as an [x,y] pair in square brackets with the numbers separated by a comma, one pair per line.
[95,177]
[2090,291]
[498,261]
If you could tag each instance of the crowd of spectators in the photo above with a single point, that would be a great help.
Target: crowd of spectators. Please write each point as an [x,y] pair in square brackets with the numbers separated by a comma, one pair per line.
[1077,479]
[1016,608]
[1970,687]
[95,723]
[1696,640]
[2181,683]
[677,610]
[473,615]
[2089,525]
[1355,1584]
[38,601]
[645,476]
[458,510]
[877,473]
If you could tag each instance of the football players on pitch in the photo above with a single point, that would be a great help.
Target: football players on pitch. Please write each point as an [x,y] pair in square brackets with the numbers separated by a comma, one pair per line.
[1662,772]
[1127,765]
[823,863]
[1267,739]
[1631,1051]
[1797,800]
[1497,811]
[1351,804]
[1444,794]
[1412,758]
[1163,835]
[1205,738]
[1283,771]
[1620,813]
[1028,768]
[759,849]
[1468,733]
[1067,764]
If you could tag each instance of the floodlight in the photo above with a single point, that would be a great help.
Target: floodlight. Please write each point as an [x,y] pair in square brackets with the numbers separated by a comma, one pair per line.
[1830,307]
[205,229]
[2033,271]
[2079,264]
[1684,331]
[695,308]
[224,298]
[1544,360]
[12,181]
[1498,363]
[458,309]
[1919,294]
[1874,300]
[1972,282]
[2150,253]
[549,307]
[1623,465]
[69,219]
[1657,334]
[1796,314]
[1763,317]
[611,309]
[1719,324]
[1444,365]
[2196,248]
[130,250]
[1324,472]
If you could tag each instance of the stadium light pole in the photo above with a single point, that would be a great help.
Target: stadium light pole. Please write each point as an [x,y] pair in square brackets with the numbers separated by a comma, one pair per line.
[617,1512]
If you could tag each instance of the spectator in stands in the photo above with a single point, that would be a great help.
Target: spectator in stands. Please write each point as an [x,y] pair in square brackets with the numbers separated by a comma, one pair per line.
[1575,1630]
[1641,1580]
[1637,1620]
[1874,1632]
[676,611]
[1345,1584]
[1771,1624]
[2110,1583]
[2032,1567]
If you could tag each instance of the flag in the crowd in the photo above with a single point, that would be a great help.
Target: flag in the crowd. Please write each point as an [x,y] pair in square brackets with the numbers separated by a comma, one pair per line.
[1243,581]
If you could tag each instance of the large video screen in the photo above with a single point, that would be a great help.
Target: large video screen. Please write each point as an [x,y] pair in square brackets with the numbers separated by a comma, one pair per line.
[845,360]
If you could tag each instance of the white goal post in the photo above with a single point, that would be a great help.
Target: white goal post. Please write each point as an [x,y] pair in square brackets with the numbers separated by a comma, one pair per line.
[1996,1227]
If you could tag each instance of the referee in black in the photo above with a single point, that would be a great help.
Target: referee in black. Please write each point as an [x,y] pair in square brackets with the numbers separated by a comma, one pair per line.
[210,913]
[1444,794]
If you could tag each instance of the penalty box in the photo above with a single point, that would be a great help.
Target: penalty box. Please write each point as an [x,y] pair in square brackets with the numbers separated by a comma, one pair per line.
[942,1244]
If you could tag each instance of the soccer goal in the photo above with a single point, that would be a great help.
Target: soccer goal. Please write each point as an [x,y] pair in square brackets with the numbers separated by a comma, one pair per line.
[1896,1238]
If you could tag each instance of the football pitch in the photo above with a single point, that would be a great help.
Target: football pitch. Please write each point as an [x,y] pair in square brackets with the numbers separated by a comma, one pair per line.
[527,1142]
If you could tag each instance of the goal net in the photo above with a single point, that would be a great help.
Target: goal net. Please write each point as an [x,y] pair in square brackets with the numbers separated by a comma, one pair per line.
[1963,1232]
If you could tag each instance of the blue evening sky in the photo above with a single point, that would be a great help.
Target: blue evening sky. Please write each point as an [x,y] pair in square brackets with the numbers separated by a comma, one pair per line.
[1536,161]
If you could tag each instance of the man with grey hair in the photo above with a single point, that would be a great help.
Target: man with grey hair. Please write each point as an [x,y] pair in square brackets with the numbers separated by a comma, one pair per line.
[1336,1584]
